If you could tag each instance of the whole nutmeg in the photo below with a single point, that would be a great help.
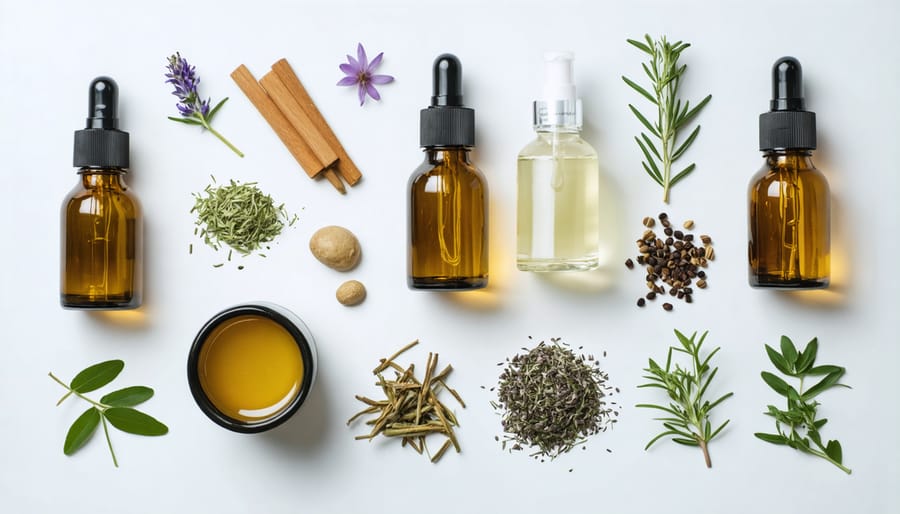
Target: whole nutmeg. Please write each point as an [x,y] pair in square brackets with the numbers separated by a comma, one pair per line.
[335,247]
[351,292]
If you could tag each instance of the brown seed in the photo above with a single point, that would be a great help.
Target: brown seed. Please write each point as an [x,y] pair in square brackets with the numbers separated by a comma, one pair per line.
[629,263]
[710,253]
[648,234]
[706,239]
[668,231]
[651,295]
[689,237]
[667,306]
[663,216]
[641,302]
[701,283]
[644,249]
[649,222]
[688,298]
[678,235]
[666,223]
[689,224]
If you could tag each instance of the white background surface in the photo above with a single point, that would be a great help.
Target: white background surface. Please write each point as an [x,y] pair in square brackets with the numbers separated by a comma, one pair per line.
[51,51]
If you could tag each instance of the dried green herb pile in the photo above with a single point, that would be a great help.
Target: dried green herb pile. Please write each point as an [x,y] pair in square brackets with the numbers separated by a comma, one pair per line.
[411,410]
[551,399]
[240,216]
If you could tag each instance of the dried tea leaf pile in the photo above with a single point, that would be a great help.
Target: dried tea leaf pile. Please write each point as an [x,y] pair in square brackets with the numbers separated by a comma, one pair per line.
[411,410]
[240,216]
[551,399]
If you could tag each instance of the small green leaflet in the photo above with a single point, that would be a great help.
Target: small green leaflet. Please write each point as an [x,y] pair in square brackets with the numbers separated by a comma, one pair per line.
[134,422]
[82,430]
[96,376]
[115,407]
[128,397]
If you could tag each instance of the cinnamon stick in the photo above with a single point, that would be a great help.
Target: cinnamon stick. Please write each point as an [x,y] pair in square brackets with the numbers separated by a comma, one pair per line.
[291,109]
[279,123]
[345,166]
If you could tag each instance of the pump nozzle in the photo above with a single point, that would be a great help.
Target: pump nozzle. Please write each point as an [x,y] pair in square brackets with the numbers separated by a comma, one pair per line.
[558,106]
[559,77]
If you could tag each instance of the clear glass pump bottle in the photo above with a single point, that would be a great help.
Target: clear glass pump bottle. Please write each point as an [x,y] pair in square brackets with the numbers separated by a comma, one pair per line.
[789,199]
[101,225]
[558,220]
[448,195]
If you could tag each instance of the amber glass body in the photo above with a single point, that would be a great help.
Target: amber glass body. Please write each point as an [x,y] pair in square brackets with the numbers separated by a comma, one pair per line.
[101,243]
[789,223]
[448,222]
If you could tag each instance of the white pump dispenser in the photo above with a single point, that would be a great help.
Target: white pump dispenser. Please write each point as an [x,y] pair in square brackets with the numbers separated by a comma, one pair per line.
[558,106]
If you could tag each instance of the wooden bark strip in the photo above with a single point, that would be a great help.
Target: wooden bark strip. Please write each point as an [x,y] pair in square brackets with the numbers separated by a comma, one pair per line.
[279,123]
[345,166]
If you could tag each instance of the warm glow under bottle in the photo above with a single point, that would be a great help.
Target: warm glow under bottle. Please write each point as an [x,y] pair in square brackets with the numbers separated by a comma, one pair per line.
[101,227]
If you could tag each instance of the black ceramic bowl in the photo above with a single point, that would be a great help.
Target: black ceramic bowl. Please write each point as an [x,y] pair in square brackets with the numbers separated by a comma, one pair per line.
[300,334]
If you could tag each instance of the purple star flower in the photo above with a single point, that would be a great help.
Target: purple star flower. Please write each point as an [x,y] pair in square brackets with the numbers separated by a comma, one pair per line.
[360,73]
[194,110]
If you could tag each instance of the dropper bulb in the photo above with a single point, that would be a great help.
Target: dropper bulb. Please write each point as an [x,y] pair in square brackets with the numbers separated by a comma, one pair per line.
[103,104]
[447,81]
[787,85]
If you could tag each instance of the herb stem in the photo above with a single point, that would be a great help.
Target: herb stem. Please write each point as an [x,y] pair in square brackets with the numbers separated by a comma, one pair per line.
[705,450]
[99,405]
[216,133]
[108,440]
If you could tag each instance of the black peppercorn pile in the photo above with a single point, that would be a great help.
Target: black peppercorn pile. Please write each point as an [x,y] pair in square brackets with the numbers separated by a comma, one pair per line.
[674,260]
[552,399]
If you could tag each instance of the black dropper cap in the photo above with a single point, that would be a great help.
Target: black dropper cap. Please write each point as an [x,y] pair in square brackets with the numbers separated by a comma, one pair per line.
[446,122]
[787,126]
[101,144]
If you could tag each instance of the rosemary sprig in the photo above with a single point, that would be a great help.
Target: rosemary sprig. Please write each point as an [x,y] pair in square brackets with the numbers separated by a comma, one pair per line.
[671,114]
[687,420]
[797,426]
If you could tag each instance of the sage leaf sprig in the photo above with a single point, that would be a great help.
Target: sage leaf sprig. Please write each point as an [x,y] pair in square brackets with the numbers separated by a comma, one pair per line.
[672,115]
[115,408]
[797,426]
[687,414]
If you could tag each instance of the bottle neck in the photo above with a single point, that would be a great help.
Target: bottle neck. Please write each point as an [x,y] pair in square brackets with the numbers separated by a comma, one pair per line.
[560,131]
[792,158]
[102,177]
[447,154]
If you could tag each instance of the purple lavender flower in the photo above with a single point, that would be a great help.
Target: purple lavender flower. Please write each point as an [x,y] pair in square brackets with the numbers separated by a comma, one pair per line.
[360,73]
[194,110]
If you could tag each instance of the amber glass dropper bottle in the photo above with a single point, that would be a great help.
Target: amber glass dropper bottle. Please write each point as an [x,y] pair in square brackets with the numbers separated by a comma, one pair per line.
[448,197]
[101,239]
[789,218]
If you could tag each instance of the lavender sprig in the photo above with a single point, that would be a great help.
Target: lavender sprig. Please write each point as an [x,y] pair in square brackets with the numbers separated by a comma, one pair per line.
[194,110]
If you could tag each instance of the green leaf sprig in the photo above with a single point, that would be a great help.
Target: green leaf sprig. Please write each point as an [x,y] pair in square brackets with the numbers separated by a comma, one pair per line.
[672,114]
[687,420]
[115,408]
[797,427]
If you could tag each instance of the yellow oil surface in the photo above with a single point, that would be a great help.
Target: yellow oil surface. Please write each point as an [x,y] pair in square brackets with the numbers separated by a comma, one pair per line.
[250,368]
